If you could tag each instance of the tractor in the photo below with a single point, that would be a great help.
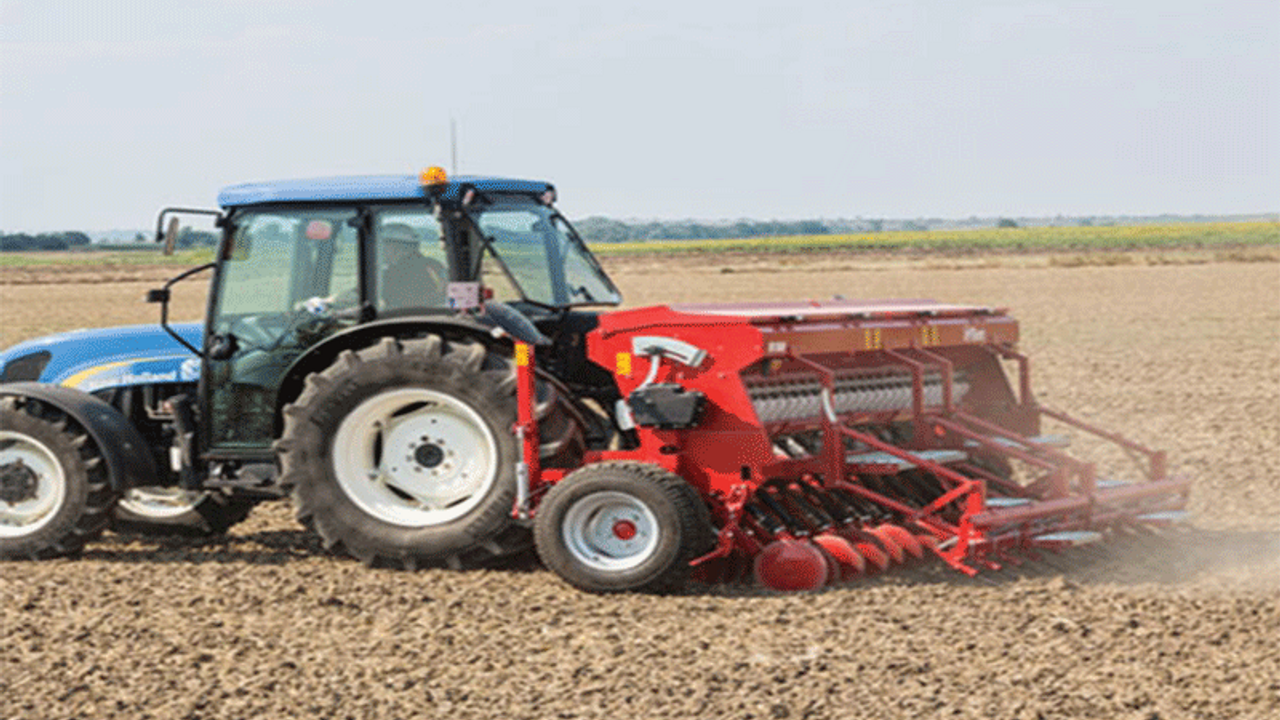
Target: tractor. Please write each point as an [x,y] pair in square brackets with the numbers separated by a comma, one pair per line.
[430,368]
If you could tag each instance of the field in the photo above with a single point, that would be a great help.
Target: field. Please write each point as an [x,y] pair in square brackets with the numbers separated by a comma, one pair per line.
[1179,350]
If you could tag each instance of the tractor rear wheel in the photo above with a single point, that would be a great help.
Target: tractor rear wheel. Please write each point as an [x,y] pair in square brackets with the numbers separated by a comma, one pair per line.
[620,526]
[161,511]
[54,492]
[403,453]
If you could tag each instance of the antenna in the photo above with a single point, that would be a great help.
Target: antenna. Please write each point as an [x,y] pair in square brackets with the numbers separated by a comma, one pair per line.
[453,146]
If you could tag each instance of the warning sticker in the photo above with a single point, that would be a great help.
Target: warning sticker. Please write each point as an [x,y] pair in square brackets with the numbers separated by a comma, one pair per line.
[463,295]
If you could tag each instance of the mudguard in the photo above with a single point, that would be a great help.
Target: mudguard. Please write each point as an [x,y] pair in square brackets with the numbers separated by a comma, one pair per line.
[128,458]
[322,354]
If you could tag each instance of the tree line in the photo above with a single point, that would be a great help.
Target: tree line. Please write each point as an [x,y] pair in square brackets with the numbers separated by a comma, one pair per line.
[43,241]
[22,242]
[604,230]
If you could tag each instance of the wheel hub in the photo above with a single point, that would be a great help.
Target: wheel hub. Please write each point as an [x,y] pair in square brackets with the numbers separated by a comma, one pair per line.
[428,455]
[18,482]
[624,529]
[32,484]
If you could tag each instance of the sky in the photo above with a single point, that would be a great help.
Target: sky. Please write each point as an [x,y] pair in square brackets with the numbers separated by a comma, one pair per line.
[110,111]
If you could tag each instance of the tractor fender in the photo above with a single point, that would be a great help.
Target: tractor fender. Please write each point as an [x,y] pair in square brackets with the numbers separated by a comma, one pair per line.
[126,453]
[323,354]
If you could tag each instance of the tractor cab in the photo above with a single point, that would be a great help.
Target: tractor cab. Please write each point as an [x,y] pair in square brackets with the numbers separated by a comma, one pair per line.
[303,261]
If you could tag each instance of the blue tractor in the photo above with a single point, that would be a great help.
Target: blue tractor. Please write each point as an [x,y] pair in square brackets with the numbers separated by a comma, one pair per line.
[356,354]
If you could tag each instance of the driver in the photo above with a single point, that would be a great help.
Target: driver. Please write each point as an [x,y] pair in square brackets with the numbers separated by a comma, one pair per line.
[406,278]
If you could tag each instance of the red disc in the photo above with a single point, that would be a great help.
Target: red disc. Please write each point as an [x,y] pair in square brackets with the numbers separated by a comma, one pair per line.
[833,566]
[877,559]
[890,543]
[905,540]
[851,563]
[791,565]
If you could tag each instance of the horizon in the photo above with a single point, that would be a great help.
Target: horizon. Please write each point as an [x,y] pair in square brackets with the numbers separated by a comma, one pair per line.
[100,236]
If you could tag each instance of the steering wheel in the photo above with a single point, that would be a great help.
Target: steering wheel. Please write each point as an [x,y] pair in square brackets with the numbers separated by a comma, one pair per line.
[257,331]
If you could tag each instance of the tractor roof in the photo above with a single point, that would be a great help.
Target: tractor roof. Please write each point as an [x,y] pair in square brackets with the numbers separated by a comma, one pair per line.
[366,187]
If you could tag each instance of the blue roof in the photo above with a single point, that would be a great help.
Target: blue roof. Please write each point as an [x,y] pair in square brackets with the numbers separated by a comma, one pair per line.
[364,187]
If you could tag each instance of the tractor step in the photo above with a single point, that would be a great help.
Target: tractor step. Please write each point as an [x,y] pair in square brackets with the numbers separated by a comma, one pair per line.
[882,463]
[1068,537]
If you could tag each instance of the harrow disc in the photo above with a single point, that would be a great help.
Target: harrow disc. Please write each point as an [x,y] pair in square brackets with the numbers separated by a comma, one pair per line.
[851,563]
[905,540]
[892,544]
[790,565]
[877,559]
[927,540]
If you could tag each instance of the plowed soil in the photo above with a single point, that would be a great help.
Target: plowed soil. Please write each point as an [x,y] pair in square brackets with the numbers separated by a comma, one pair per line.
[263,624]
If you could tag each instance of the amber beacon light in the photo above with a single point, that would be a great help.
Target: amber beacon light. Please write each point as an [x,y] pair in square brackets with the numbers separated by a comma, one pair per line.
[433,175]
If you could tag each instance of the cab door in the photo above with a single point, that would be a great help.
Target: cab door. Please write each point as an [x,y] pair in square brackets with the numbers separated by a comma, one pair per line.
[286,279]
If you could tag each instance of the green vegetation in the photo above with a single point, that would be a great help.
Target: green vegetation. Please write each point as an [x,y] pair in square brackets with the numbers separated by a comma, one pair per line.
[1013,239]
[102,258]
[1080,238]
[20,242]
[606,230]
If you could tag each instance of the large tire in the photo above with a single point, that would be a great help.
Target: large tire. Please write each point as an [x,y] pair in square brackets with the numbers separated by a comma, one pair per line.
[169,511]
[54,490]
[403,454]
[622,526]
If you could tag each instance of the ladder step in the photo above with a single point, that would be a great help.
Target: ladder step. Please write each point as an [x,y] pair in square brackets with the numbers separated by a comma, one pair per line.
[1069,537]
[1007,502]
[885,459]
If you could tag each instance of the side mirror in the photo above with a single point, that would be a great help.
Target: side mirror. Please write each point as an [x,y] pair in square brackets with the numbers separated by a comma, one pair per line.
[161,296]
[171,236]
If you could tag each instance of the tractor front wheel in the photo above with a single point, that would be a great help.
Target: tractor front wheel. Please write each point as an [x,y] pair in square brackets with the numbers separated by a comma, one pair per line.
[54,493]
[622,526]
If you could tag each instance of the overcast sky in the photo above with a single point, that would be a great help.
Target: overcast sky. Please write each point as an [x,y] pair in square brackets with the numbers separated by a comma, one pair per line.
[111,110]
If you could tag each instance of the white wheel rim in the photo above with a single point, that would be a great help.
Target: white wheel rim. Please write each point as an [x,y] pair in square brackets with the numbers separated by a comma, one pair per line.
[415,457]
[610,531]
[22,454]
[161,503]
